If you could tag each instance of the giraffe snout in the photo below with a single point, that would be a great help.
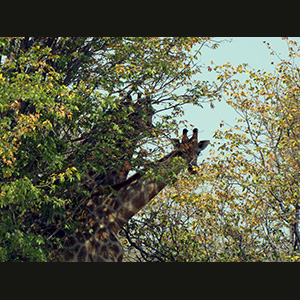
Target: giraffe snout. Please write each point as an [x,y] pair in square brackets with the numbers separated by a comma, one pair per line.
[192,168]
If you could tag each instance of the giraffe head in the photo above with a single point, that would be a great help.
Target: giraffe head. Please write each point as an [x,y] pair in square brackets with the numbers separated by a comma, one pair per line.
[190,148]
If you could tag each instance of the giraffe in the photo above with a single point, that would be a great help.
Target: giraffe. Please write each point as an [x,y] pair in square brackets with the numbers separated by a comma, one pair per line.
[106,214]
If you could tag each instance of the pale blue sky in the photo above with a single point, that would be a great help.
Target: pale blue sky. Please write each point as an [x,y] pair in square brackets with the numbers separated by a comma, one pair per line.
[249,50]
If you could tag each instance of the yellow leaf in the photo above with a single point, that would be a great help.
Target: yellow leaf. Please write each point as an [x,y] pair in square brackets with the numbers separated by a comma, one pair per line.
[6,174]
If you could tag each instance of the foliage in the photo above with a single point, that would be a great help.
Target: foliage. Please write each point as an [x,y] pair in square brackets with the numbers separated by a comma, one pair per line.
[246,207]
[76,114]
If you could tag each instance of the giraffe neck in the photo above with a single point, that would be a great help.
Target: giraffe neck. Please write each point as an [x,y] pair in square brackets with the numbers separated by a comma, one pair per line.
[106,214]
[138,190]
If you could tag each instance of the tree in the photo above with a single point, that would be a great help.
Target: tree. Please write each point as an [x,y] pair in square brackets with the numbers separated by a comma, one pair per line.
[76,115]
[247,204]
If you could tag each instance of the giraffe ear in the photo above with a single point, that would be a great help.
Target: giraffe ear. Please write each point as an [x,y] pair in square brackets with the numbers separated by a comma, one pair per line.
[203,144]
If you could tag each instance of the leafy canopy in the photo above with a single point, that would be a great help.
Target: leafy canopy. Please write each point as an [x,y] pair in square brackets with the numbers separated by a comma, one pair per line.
[76,114]
[246,206]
